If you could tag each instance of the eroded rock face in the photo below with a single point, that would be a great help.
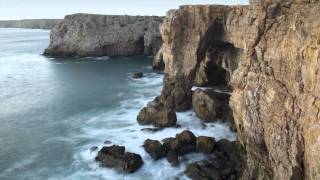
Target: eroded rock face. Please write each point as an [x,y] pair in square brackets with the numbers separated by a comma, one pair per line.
[158,63]
[103,35]
[273,47]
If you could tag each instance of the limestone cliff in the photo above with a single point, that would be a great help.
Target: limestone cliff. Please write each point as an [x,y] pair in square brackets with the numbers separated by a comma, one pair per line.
[269,53]
[105,35]
[30,23]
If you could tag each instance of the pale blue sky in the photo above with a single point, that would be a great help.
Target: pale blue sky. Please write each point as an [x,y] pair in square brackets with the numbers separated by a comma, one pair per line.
[27,9]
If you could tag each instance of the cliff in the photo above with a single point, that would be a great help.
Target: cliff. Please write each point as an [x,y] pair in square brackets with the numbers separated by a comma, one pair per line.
[269,55]
[30,23]
[104,35]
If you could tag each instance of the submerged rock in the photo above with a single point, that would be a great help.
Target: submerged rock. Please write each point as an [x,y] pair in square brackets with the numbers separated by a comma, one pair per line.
[93,148]
[137,75]
[157,116]
[115,157]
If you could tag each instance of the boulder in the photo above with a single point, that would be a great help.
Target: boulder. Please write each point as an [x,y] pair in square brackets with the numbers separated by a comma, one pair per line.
[157,116]
[137,75]
[185,142]
[205,144]
[154,148]
[115,157]
[205,105]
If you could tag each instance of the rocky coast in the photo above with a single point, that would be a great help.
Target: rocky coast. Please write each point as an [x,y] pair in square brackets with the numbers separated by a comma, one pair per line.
[258,69]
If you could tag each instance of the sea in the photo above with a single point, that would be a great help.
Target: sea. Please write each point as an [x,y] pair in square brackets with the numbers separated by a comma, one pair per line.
[53,111]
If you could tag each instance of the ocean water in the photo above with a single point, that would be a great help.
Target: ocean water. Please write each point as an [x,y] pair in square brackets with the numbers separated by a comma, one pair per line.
[52,111]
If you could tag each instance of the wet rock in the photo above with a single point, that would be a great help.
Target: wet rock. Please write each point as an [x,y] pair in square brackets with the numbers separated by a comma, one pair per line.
[157,116]
[167,143]
[224,163]
[205,144]
[152,130]
[205,105]
[154,148]
[116,157]
[94,148]
[107,142]
[137,75]
[184,143]
[173,158]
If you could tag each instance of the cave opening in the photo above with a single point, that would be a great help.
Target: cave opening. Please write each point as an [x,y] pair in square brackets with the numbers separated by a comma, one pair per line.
[218,58]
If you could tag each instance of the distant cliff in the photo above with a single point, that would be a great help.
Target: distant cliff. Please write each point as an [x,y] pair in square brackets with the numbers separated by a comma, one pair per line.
[30,23]
[105,35]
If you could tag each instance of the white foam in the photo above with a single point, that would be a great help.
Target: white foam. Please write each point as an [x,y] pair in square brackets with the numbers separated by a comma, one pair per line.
[119,126]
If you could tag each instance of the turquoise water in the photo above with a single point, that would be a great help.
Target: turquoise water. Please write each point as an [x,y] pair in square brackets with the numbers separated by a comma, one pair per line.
[52,111]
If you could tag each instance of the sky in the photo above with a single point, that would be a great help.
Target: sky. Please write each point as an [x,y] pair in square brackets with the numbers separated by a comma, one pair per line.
[56,9]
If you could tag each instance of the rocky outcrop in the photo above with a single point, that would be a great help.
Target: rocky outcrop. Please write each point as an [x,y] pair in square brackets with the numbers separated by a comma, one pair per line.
[223,163]
[158,116]
[105,35]
[116,157]
[184,143]
[30,23]
[269,54]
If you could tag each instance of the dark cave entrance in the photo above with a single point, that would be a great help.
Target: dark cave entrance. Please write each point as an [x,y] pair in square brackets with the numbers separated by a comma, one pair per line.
[217,58]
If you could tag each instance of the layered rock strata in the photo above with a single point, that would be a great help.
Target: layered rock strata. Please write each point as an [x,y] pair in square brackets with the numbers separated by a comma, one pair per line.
[269,54]
[105,35]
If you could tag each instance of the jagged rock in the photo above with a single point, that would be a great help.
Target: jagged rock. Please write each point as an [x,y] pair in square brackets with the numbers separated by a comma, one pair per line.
[275,98]
[205,144]
[105,35]
[157,116]
[204,105]
[176,93]
[116,157]
[154,148]
[137,75]
[224,163]
[184,143]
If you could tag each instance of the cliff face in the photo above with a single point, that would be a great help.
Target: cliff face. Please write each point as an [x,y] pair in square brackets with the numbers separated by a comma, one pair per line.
[30,23]
[269,54]
[102,35]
